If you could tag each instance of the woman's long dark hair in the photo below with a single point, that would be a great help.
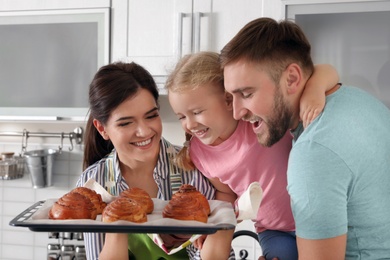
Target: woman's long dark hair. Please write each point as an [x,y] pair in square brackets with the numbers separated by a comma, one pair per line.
[111,85]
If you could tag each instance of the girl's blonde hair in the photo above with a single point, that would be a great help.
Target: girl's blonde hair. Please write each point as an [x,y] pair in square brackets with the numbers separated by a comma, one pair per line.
[191,72]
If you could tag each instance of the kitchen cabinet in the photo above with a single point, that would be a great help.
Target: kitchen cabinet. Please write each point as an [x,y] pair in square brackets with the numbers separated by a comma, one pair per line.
[153,33]
[49,52]
[316,4]
[273,9]
[30,5]
[157,33]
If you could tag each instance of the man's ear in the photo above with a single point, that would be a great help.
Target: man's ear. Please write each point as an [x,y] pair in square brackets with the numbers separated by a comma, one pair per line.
[293,78]
[101,129]
[229,100]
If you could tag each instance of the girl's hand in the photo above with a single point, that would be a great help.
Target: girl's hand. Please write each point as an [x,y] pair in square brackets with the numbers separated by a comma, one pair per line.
[310,107]
[312,102]
[199,242]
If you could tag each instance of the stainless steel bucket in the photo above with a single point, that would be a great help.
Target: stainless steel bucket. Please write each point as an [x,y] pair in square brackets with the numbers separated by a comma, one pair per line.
[40,165]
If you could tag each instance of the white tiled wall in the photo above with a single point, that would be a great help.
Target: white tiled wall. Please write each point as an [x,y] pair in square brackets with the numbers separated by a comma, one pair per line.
[18,194]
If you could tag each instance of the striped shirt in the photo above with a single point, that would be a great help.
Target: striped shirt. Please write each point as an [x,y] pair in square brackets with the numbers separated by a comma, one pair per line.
[107,173]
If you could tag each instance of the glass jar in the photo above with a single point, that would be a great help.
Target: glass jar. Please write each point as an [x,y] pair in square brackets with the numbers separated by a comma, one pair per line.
[11,166]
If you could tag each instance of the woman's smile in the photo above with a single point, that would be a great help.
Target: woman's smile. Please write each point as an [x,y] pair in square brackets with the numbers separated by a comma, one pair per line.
[142,143]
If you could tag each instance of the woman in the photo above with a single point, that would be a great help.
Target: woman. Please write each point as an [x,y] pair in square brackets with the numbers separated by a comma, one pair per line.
[124,148]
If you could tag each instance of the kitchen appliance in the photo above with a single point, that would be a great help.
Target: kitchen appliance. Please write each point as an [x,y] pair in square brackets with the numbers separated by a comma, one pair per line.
[80,253]
[352,36]
[64,248]
[48,59]
[67,252]
[53,251]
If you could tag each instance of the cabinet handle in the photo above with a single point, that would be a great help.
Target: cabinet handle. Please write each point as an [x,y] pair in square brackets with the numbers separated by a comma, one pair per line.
[180,35]
[197,27]
[181,17]
[29,118]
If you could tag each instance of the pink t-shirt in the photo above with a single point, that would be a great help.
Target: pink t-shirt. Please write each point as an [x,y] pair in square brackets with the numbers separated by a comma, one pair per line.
[241,160]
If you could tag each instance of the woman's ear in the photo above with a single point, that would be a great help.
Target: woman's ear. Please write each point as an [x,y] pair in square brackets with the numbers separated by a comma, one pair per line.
[229,100]
[293,78]
[101,129]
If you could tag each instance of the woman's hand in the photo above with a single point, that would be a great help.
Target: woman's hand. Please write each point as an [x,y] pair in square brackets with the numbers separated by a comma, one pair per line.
[115,247]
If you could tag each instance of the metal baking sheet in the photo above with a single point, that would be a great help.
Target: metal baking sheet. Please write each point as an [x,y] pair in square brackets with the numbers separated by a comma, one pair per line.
[35,218]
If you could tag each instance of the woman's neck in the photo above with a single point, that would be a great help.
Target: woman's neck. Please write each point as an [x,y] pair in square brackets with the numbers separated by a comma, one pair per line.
[140,174]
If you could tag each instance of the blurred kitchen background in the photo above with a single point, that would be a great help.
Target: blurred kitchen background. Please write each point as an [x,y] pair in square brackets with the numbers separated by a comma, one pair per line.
[50,50]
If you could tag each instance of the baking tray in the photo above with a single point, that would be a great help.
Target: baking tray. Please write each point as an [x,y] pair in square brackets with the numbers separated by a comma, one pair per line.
[35,218]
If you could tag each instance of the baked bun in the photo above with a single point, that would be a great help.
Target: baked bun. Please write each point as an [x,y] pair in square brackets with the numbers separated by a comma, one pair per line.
[73,206]
[140,196]
[95,198]
[187,204]
[124,209]
[187,189]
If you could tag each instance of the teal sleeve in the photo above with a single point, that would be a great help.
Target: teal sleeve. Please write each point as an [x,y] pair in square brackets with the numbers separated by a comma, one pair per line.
[318,185]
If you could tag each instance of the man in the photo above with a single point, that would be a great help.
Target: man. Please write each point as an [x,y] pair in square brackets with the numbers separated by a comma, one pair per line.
[339,166]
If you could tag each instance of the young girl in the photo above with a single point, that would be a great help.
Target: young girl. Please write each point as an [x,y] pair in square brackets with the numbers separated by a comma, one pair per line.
[227,152]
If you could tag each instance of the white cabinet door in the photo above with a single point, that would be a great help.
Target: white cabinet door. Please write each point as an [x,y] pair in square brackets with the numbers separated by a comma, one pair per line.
[274,9]
[228,17]
[149,31]
[157,33]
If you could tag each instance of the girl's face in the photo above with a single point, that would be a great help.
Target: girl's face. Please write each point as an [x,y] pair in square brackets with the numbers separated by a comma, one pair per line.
[134,128]
[205,112]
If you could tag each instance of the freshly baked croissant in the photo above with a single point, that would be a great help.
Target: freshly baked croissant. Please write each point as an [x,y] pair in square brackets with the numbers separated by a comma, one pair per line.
[95,198]
[73,206]
[187,204]
[140,196]
[124,209]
